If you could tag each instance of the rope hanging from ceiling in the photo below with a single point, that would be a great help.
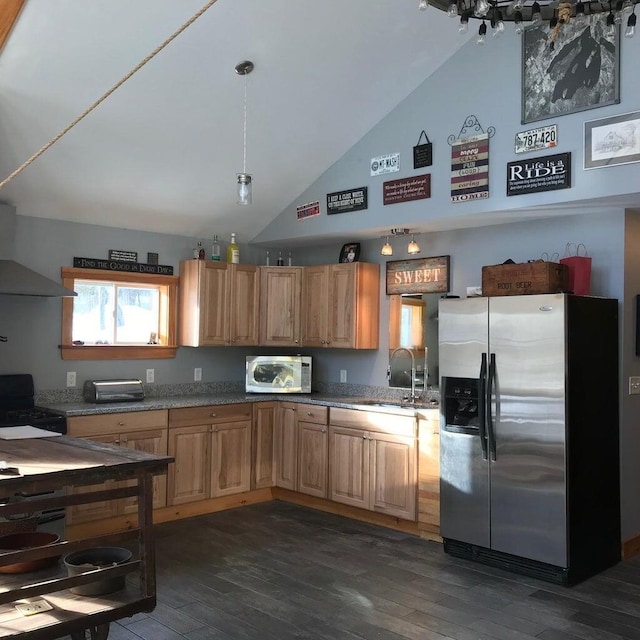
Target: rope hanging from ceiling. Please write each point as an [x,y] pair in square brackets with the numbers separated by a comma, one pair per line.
[102,98]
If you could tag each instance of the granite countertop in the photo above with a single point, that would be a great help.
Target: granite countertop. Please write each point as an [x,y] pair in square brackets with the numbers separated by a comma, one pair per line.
[71,409]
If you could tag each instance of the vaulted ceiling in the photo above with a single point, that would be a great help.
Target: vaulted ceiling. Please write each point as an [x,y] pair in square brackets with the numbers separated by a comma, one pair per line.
[162,152]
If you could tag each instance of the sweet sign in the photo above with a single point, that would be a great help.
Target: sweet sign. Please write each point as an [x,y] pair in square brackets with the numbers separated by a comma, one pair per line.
[423,275]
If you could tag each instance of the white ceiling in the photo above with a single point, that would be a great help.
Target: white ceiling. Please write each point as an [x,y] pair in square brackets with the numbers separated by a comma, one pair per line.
[162,152]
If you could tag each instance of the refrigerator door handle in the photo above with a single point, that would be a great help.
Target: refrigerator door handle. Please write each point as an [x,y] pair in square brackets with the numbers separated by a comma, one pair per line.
[491,433]
[482,414]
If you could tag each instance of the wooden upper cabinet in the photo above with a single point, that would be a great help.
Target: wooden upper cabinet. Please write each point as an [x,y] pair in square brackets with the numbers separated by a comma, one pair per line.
[341,306]
[280,292]
[315,297]
[218,304]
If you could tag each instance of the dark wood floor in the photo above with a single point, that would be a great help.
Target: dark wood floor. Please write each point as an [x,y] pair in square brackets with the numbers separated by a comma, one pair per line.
[278,571]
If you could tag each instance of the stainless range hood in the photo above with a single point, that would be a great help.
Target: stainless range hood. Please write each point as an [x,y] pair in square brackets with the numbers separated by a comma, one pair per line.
[18,280]
[15,278]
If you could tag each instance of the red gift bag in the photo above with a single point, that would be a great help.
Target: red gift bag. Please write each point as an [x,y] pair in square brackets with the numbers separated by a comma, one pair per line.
[579,278]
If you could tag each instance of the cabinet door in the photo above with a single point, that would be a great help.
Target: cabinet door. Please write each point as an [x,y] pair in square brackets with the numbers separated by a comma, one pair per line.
[204,304]
[286,446]
[231,458]
[342,306]
[315,296]
[243,305]
[313,458]
[280,291]
[189,475]
[214,304]
[152,441]
[263,467]
[393,475]
[96,510]
[429,474]
[349,466]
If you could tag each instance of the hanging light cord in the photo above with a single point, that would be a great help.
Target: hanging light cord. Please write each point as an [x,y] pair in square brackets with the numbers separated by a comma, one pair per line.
[116,86]
[244,131]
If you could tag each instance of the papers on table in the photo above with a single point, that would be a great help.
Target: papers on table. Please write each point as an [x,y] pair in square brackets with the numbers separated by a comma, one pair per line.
[24,432]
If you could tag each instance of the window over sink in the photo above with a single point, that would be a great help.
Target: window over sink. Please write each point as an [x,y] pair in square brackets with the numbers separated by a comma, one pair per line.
[118,315]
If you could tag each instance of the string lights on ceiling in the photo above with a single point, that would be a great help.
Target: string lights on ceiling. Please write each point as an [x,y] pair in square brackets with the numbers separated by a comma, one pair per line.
[554,13]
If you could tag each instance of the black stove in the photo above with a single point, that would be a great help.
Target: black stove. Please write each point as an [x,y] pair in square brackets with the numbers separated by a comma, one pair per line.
[17,406]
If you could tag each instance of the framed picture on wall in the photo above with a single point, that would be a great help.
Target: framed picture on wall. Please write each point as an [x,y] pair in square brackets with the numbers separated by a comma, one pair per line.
[350,252]
[611,141]
[580,71]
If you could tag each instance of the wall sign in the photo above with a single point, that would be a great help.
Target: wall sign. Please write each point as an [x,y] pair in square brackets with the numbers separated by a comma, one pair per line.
[422,275]
[308,210]
[423,153]
[407,189]
[123,256]
[470,168]
[121,265]
[536,139]
[547,173]
[385,164]
[350,200]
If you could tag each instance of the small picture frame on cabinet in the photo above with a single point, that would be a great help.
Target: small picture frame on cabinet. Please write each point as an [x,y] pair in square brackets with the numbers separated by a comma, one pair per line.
[350,252]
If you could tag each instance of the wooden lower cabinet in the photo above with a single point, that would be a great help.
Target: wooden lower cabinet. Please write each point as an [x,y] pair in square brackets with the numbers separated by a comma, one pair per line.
[212,450]
[263,468]
[429,474]
[286,446]
[371,468]
[231,458]
[313,458]
[139,430]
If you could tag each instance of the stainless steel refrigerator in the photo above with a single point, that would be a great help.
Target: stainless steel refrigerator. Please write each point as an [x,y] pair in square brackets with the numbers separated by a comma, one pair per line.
[529,433]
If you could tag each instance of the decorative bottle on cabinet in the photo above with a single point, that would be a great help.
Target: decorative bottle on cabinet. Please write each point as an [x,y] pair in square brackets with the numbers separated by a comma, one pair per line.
[215,249]
[233,251]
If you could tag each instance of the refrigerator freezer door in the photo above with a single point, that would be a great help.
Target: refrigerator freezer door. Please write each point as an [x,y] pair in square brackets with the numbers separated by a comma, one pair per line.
[464,474]
[528,478]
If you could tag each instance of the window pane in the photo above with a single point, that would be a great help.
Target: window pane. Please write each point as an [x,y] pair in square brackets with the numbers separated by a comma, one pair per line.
[93,313]
[137,314]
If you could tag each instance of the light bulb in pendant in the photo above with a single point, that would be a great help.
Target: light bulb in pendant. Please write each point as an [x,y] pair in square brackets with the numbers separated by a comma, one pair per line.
[245,195]
[387,249]
[413,247]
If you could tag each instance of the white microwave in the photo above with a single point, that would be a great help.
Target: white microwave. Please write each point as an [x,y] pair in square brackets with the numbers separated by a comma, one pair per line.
[278,374]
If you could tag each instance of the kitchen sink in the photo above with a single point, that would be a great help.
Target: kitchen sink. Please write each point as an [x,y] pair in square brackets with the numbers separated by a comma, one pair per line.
[396,405]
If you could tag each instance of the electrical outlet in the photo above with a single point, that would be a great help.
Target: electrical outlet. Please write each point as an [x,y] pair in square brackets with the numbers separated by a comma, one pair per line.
[343,375]
[71,378]
[197,374]
[634,385]
[151,375]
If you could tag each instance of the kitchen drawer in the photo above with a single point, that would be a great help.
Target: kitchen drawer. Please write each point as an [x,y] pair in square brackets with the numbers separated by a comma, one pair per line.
[374,421]
[312,413]
[210,414]
[88,426]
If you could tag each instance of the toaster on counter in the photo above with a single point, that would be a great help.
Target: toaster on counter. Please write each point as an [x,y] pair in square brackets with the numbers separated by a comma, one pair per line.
[113,390]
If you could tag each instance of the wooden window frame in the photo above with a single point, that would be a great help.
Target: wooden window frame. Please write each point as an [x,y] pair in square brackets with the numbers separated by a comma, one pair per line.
[167,334]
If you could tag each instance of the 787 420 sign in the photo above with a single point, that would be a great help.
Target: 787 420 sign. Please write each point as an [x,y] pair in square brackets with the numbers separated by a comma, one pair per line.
[536,139]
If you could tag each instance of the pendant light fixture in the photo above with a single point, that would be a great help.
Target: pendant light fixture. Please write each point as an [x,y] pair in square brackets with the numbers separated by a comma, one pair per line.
[245,197]
[413,247]
[387,249]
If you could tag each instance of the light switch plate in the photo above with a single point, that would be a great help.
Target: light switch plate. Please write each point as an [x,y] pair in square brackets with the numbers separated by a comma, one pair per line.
[71,378]
[634,385]
[197,374]
[343,375]
[151,375]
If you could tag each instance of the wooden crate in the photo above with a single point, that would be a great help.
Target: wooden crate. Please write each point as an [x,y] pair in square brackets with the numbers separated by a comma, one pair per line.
[524,278]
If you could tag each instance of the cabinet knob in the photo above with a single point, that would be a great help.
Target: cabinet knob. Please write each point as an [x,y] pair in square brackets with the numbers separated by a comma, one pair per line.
[117,441]
[297,341]
[364,437]
[124,441]
[213,415]
[309,413]
[121,424]
[324,430]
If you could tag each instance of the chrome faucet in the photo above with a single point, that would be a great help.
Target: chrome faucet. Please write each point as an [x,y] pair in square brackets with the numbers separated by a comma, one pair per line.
[414,396]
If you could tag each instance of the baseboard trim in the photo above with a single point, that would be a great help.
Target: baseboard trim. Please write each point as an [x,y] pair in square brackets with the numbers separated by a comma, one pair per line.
[631,548]
[167,514]
[363,515]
